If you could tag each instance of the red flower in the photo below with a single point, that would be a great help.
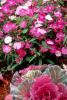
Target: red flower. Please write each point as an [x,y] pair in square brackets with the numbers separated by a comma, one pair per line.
[21,52]
[44,89]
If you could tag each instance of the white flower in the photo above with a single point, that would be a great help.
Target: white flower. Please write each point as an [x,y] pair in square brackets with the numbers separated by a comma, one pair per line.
[38,25]
[8,39]
[17,45]
[3,1]
[12,17]
[58,53]
[48,17]
[29,3]
[44,1]
[18,9]
[50,42]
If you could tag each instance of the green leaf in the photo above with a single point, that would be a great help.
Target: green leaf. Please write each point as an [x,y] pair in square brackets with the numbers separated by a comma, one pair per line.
[38,53]
[35,16]
[65,40]
[32,58]
[50,61]
[25,31]
[57,74]
[40,2]
[40,61]
[33,39]
[18,20]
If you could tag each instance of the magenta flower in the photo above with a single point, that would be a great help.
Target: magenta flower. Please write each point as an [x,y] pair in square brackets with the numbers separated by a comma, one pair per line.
[6,49]
[6,9]
[53,49]
[48,8]
[23,24]
[11,2]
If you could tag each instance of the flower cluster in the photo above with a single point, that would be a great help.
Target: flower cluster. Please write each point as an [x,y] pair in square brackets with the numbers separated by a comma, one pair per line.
[31,28]
[35,84]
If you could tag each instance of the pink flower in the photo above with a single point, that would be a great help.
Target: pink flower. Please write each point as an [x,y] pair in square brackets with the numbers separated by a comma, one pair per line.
[1,14]
[64,50]
[58,40]
[49,42]
[9,97]
[42,49]
[18,60]
[19,1]
[21,52]
[31,67]
[9,26]
[23,24]
[44,89]
[37,32]
[18,45]
[48,8]
[1,77]
[58,14]
[6,48]
[60,23]
[22,10]
[28,44]
[60,35]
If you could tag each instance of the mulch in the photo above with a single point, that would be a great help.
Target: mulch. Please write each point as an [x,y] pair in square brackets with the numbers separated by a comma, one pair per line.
[4,86]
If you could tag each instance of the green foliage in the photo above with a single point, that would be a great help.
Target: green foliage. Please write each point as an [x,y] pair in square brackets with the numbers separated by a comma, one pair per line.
[40,2]
[24,31]
[57,74]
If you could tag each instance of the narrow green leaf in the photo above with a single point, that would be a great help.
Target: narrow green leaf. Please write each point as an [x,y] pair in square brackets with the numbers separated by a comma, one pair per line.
[24,31]
[50,61]
[33,39]
[40,61]
[32,58]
